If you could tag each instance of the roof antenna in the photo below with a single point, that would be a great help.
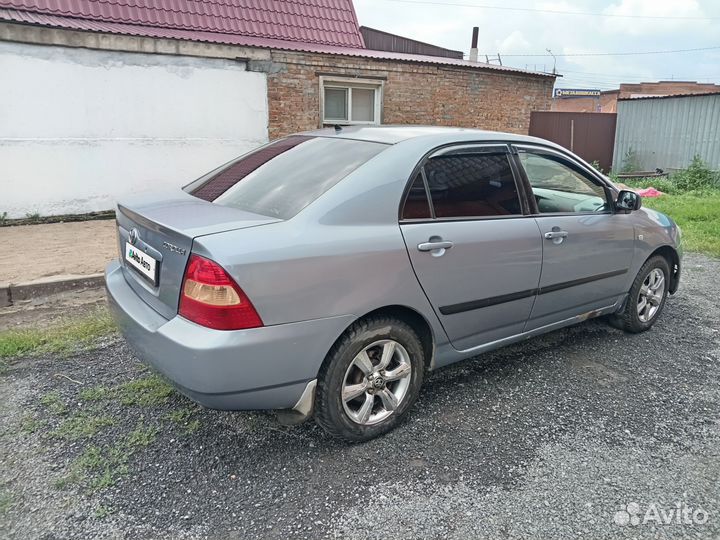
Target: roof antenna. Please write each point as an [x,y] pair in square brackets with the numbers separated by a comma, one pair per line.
[338,128]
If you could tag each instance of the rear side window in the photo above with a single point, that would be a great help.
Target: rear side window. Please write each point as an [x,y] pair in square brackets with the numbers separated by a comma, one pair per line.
[416,202]
[472,185]
[283,177]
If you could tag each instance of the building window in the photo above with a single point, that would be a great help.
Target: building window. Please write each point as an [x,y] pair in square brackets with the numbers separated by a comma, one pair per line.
[350,101]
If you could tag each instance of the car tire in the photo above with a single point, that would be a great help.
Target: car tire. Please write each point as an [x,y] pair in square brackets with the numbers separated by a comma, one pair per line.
[358,401]
[641,311]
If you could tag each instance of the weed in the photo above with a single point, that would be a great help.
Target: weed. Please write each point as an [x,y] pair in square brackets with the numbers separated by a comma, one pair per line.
[107,464]
[30,424]
[148,391]
[140,437]
[62,338]
[96,393]
[631,162]
[102,511]
[698,214]
[697,177]
[54,403]
[192,427]
[33,217]
[663,184]
[82,426]
[183,417]
[3,218]
[596,165]
[179,416]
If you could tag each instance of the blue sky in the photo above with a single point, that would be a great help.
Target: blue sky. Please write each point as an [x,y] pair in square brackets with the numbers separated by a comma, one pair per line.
[670,25]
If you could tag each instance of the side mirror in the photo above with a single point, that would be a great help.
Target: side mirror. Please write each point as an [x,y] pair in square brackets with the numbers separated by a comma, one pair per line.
[628,200]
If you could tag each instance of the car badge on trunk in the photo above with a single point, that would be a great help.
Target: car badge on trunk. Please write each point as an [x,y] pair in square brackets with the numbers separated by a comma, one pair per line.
[133,237]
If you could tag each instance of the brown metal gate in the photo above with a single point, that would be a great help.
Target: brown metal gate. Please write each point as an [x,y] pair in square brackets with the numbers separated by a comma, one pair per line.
[590,135]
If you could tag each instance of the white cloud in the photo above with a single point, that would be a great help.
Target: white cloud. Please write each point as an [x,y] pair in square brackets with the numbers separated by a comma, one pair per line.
[517,32]
[678,11]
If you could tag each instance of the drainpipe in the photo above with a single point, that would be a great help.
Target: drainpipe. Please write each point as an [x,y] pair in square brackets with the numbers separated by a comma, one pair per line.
[473,45]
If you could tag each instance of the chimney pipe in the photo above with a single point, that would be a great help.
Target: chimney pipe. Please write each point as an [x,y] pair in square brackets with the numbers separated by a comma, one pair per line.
[473,45]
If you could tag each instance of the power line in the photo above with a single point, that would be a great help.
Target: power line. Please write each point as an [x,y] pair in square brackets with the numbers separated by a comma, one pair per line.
[617,75]
[556,11]
[610,54]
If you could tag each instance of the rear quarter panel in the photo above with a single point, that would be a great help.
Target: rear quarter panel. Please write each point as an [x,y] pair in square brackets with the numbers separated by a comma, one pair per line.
[342,255]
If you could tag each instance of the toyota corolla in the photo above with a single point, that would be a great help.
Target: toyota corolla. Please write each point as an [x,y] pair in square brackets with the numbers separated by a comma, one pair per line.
[324,274]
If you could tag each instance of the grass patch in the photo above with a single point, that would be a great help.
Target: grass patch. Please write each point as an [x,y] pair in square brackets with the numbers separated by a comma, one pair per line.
[103,466]
[82,426]
[183,418]
[102,511]
[63,338]
[106,465]
[54,403]
[30,424]
[140,437]
[96,393]
[148,391]
[692,199]
[698,214]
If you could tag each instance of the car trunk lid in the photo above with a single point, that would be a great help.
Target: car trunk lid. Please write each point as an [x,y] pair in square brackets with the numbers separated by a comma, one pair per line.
[155,235]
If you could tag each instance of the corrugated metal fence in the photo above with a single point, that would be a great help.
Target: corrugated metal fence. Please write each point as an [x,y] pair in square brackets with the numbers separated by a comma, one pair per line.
[667,132]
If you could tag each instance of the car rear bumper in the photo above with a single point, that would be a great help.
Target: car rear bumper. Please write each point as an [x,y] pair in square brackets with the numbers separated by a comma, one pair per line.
[259,368]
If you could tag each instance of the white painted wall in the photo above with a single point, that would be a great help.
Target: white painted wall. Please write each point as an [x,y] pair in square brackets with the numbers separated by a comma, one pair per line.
[82,128]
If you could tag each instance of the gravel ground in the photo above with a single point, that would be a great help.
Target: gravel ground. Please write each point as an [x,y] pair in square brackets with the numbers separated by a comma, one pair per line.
[552,438]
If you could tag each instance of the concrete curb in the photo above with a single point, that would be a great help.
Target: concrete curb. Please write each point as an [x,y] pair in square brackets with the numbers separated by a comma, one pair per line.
[17,292]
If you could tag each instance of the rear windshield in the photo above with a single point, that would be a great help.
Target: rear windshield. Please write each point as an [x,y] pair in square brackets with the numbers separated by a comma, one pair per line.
[283,177]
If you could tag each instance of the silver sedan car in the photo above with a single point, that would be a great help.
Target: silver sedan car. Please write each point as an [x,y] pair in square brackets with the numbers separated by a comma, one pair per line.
[325,273]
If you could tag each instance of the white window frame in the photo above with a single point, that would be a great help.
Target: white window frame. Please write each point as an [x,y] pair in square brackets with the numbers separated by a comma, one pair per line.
[348,83]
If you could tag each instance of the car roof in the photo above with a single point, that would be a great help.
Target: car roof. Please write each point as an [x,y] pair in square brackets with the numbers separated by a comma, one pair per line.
[389,134]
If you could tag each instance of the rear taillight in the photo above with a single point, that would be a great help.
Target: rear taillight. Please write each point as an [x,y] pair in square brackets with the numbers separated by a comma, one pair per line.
[211,298]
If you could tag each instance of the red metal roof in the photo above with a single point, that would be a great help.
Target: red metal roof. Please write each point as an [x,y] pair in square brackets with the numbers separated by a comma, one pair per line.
[328,22]
[145,26]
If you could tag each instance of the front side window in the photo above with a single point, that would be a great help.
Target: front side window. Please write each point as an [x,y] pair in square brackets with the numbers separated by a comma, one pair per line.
[558,188]
[285,176]
[350,102]
[472,185]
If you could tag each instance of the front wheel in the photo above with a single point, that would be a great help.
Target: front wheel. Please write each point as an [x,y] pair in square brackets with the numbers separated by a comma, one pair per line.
[369,380]
[646,298]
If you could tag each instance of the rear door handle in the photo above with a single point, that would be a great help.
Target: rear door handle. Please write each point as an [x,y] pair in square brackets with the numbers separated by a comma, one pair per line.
[435,245]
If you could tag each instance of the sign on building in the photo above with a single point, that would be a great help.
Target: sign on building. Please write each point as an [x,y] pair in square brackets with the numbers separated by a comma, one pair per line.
[576,92]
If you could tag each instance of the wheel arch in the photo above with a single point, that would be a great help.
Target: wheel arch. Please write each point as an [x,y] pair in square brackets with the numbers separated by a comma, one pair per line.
[410,316]
[673,258]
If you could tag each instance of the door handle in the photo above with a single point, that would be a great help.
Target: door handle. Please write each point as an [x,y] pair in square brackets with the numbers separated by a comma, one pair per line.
[556,235]
[435,245]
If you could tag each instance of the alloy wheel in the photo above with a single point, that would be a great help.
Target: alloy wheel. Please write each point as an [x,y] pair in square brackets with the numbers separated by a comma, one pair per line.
[376,382]
[651,295]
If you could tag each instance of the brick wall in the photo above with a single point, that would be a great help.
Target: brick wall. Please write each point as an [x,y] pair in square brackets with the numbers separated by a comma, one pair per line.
[666,88]
[413,93]
[606,103]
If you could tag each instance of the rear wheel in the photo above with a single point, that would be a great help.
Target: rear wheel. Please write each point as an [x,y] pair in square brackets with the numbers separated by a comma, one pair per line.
[369,380]
[646,298]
